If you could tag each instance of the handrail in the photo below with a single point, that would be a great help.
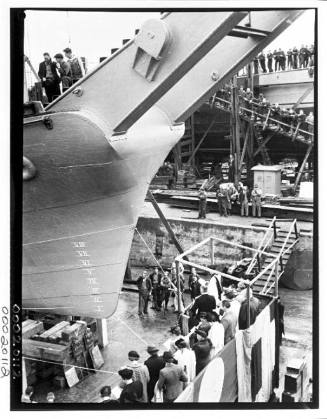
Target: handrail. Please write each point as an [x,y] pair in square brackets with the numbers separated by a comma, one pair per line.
[268,280]
[252,264]
[290,247]
[281,253]
[272,263]
[298,130]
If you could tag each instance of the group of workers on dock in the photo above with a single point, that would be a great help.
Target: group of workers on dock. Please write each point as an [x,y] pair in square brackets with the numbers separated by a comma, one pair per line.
[227,195]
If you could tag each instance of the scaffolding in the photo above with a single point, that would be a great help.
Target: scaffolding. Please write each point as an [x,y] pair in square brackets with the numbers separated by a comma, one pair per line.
[273,268]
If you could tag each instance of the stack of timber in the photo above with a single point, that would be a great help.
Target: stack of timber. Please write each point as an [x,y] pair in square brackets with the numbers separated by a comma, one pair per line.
[296,202]
[66,343]
[185,179]
[160,182]
[31,327]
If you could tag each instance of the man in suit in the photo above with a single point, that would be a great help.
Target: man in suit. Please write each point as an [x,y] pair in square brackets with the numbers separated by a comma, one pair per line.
[144,285]
[133,390]
[244,198]
[205,303]
[229,321]
[171,379]
[155,278]
[154,363]
[49,77]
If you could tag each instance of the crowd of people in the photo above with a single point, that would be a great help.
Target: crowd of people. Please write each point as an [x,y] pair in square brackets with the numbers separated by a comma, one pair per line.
[227,195]
[216,313]
[59,75]
[260,110]
[280,60]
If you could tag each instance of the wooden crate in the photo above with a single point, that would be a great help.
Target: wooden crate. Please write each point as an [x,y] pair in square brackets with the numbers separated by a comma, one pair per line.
[31,328]
[44,350]
[54,331]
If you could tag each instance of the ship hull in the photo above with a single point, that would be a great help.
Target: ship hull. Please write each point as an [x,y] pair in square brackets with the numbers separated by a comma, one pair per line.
[80,210]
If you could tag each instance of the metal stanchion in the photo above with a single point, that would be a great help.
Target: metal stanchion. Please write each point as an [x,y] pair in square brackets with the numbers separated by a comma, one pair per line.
[178,288]
[248,307]
[212,252]
[276,279]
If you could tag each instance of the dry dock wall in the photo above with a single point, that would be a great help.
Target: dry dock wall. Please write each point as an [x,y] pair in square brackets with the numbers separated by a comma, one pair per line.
[190,233]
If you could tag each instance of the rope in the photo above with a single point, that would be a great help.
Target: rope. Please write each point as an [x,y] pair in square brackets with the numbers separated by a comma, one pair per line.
[134,333]
[68,31]
[68,365]
[156,260]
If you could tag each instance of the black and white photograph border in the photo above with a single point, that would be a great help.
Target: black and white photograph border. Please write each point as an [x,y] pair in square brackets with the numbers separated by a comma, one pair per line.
[161,249]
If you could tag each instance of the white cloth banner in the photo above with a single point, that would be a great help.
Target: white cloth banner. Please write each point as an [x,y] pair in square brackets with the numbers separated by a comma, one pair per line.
[243,361]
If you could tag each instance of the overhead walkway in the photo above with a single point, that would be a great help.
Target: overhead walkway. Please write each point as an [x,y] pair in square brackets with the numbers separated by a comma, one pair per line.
[263,119]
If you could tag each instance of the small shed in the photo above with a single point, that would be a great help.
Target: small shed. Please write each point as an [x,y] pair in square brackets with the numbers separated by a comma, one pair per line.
[268,178]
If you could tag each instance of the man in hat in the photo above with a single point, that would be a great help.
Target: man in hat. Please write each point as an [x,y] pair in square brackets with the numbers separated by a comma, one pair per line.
[171,379]
[154,364]
[140,373]
[144,285]
[133,390]
[106,396]
[202,349]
